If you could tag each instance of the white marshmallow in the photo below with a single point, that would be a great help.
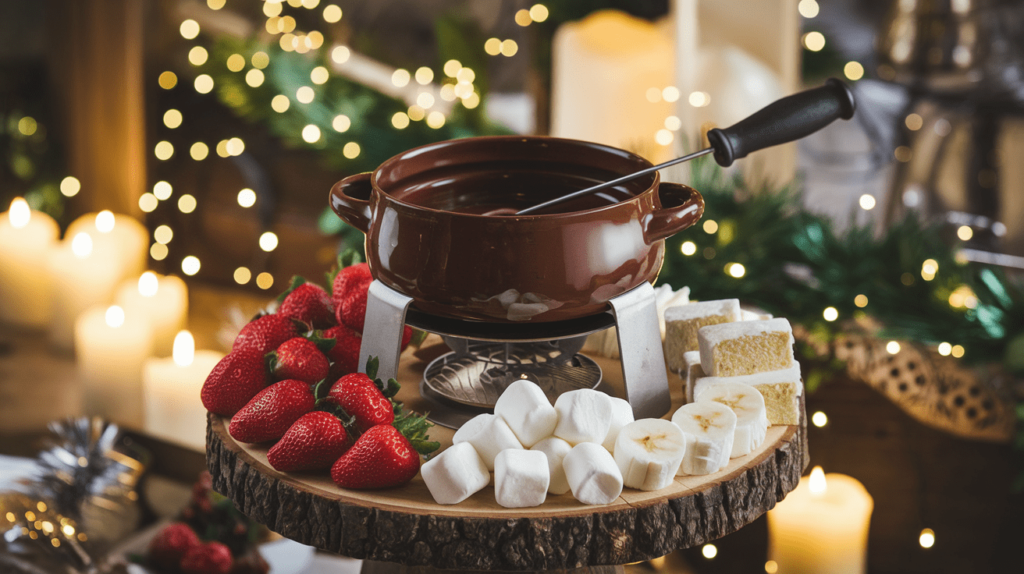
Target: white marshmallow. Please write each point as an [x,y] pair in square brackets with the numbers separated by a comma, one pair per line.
[555,449]
[584,415]
[592,474]
[526,409]
[521,478]
[455,474]
[622,415]
[489,434]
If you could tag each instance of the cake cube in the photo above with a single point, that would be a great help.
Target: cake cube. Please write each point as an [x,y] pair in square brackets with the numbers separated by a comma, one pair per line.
[746,347]
[692,372]
[781,391]
[455,474]
[683,322]
[747,315]
[521,478]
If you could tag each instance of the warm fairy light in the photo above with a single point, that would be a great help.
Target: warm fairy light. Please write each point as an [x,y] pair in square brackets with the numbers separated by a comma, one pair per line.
[653,95]
[466,75]
[853,71]
[435,120]
[189,29]
[68,530]
[198,55]
[280,103]
[451,67]
[463,89]
[710,226]
[709,551]
[425,100]
[957,351]
[184,350]
[319,75]
[471,101]
[867,202]
[929,268]
[819,419]
[114,316]
[400,120]
[148,202]
[699,99]
[204,83]
[416,113]
[162,190]
[236,146]
[670,94]
[310,4]
[663,137]
[311,133]
[892,347]
[70,186]
[903,154]
[340,54]
[817,483]
[242,275]
[945,349]
[288,42]
[105,221]
[247,197]
[148,283]
[260,60]
[222,148]
[830,314]
[807,8]
[963,296]
[523,17]
[736,270]
[190,265]
[400,77]
[861,300]
[673,123]
[199,151]
[332,13]
[236,62]
[424,75]
[268,241]
[965,233]
[914,122]
[158,251]
[351,150]
[27,126]
[253,77]
[163,234]
[927,538]
[172,118]
[305,94]
[271,9]
[81,245]
[163,150]
[771,567]
[492,47]
[167,80]
[539,12]
[688,248]
[509,48]
[186,203]
[814,41]
[19,213]
[315,39]
[264,280]
[341,123]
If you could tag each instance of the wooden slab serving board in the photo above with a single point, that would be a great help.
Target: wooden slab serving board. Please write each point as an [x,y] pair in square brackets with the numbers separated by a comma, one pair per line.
[406,526]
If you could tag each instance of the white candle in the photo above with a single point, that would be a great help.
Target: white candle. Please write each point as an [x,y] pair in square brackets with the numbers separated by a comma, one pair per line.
[110,348]
[171,393]
[822,526]
[163,300]
[80,278]
[115,236]
[26,238]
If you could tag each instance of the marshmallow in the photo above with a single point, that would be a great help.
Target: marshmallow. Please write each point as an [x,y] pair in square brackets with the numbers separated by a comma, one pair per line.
[521,478]
[592,474]
[555,449]
[455,474]
[526,409]
[682,323]
[746,347]
[489,434]
[622,415]
[584,415]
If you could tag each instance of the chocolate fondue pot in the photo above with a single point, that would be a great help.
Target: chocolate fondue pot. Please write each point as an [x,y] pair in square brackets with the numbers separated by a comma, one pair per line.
[440,226]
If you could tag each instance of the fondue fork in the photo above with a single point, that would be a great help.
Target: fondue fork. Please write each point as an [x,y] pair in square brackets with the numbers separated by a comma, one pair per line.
[782,121]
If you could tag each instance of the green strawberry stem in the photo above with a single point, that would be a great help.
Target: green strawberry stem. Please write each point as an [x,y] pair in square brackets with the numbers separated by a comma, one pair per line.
[347,258]
[325,344]
[296,281]
[372,365]
[414,427]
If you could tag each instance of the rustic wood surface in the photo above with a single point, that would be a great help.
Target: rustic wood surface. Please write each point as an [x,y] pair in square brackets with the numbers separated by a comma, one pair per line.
[405,526]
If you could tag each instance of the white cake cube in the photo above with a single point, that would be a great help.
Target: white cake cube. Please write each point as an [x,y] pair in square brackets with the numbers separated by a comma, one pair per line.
[526,409]
[489,434]
[521,478]
[622,415]
[593,476]
[584,415]
[555,449]
[692,372]
[455,474]
[746,347]
[683,322]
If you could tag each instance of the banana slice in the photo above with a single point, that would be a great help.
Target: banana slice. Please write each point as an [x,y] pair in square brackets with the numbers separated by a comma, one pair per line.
[648,453]
[751,414]
[709,428]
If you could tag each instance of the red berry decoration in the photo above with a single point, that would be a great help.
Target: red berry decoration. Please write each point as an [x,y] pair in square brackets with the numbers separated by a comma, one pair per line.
[300,359]
[209,558]
[309,303]
[345,353]
[381,458]
[361,398]
[269,414]
[171,545]
[266,333]
[315,441]
[234,381]
[348,280]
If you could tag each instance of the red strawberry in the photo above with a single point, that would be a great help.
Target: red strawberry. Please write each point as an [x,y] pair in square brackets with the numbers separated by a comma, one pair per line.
[345,353]
[266,333]
[234,381]
[310,304]
[298,358]
[315,441]
[406,336]
[269,414]
[381,458]
[171,545]
[347,279]
[360,397]
[209,558]
[351,307]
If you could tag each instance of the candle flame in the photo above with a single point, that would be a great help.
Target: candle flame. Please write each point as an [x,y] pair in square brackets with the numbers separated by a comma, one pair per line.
[81,245]
[115,316]
[817,482]
[184,350]
[148,284]
[105,221]
[19,213]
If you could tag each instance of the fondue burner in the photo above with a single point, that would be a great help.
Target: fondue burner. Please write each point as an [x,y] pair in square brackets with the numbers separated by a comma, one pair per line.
[633,313]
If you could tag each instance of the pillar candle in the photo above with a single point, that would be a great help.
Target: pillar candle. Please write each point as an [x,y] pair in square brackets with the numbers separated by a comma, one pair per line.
[116,236]
[26,237]
[822,526]
[171,393]
[163,300]
[111,347]
[80,278]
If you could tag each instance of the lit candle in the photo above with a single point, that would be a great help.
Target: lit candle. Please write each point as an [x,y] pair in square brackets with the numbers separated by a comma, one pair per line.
[111,347]
[26,237]
[115,236]
[822,526]
[171,393]
[80,278]
[163,300]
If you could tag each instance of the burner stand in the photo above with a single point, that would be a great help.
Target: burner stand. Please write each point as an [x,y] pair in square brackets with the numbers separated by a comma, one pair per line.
[633,313]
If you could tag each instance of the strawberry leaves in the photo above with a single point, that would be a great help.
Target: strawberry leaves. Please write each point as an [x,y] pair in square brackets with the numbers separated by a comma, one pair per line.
[415,427]
[347,258]
[296,281]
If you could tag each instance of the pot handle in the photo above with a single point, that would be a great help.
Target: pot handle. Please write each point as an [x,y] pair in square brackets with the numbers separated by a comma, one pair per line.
[350,199]
[682,206]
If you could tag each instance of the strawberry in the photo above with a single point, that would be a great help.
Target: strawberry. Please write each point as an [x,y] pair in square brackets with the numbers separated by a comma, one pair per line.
[348,279]
[266,333]
[234,381]
[171,545]
[309,303]
[269,414]
[345,353]
[381,458]
[209,558]
[351,307]
[299,358]
[365,397]
[315,441]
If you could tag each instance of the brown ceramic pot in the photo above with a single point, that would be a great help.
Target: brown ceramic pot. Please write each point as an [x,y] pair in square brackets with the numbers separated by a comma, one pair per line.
[431,231]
